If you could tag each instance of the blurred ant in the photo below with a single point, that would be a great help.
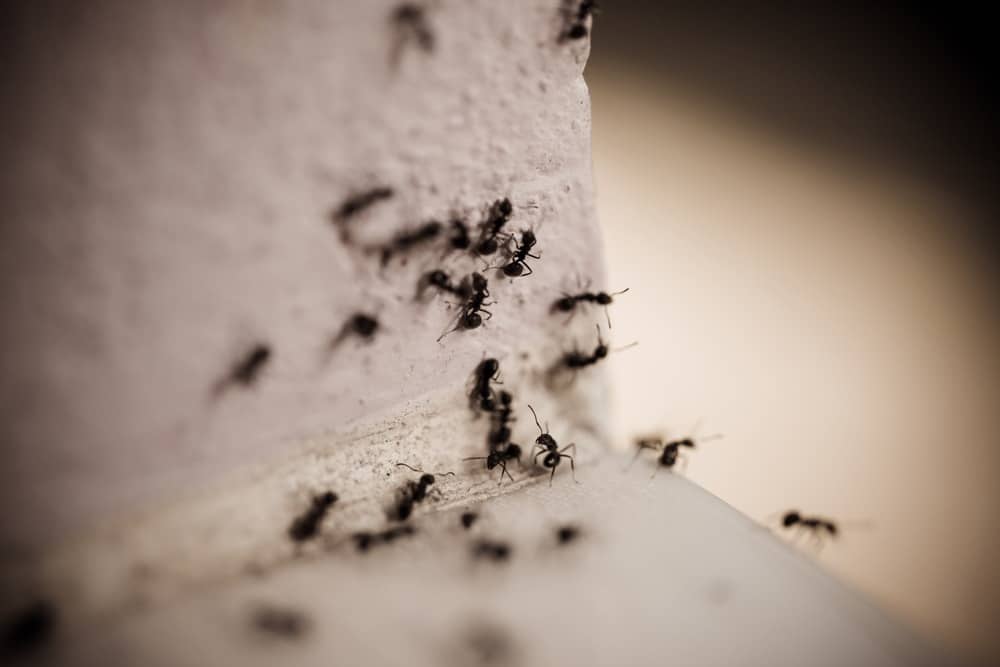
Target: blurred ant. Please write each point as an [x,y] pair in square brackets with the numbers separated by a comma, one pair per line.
[497,551]
[413,492]
[575,360]
[577,21]
[500,213]
[306,526]
[440,280]
[248,369]
[405,240]
[522,251]
[568,302]
[469,317]
[459,239]
[481,397]
[286,623]
[364,540]
[361,325]
[566,534]
[411,25]
[467,519]
[356,203]
[547,445]
[503,415]
[30,627]
[819,528]
[499,457]
[670,451]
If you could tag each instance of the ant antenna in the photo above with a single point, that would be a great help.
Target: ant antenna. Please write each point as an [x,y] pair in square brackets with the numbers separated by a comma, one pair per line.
[709,438]
[606,313]
[442,474]
[536,419]
[625,347]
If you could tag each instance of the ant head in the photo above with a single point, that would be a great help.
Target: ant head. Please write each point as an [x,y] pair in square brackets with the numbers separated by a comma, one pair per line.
[528,238]
[478,281]
[601,351]
[513,270]
[427,479]
[545,440]
[565,304]
[364,325]
[790,518]
[493,460]
[431,229]
[831,528]
[504,207]
[567,534]
[326,499]
[488,367]
[685,442]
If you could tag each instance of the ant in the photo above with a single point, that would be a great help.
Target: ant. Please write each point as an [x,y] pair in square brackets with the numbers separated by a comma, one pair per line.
[286,623]
[467,519]
[568,302]
[522,251]
[442,282]
[501,418]
[365,540]
[356,203]
[576,359]
[498,551]
[247,371]
[30,627]
[459,239]
[818,527]
[360,325]
[500,213]
[670,451]
[413,492]
[407,239]
[481,396]
[411,24]
[306,526]
[500,457]
[578,28]
[566,534]
[547,445]
[469,317]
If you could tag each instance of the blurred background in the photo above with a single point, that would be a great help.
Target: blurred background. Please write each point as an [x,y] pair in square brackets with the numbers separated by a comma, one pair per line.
[799,198]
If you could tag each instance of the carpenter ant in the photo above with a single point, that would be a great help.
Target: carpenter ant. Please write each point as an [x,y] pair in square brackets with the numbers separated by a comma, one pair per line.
[546,445]
[405,240]
[467,519]
[819,528]
[354,204]
[469,317]
[306,526]
[500,457]
[497,551]
[361,325]
[568,302]
[670,451]
[411,25]
[30,627]
[412,493]
[566,534]
[286,623]
[500,420]
[500,213]
[481,396]
[440,280]
[522,251]
[577,21]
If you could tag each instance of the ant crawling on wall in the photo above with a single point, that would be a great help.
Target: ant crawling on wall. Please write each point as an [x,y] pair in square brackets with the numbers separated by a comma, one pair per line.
[362,325]
[670,452]
[499,215]
[411,25]
[408,239]
[499,456]
[469,317]
[568,302]
[355,204]
[501,419]
[412,493]
[467,519]
[576,21]
[442,282]
[306,526]
[546,445]
[286,623]
[482,395]
[459,239]
[365,540]
[248,369]
[517,264]
[491,549]
[575,360]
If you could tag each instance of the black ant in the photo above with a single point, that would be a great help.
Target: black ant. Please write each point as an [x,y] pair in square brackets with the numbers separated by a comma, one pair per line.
[499,457]
[467,519]
[481,397]
[306,526]
[405,240]
[497,551]
[459,239]
[818,527]
[413,492]
[286,623]
[365,540]
[566,534]
[248,369]
[500,213]
[577,28]
[568,302]
[522,251]
[469,317]
[503,415]
[30,627]
[670,451]
[361,325]
[441,281]
[547,445]
[411,24]
[576,359]
[356,203]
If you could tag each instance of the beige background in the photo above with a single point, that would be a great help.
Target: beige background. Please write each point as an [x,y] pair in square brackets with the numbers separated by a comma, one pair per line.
[831,316]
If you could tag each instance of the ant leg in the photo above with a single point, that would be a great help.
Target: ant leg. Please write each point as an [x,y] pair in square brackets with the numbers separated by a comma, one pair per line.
[656,471]
[608,316]
[572,466]
[525,265]
[638,450]
[553,473]
[533,256]
[572,444]
[505,472]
